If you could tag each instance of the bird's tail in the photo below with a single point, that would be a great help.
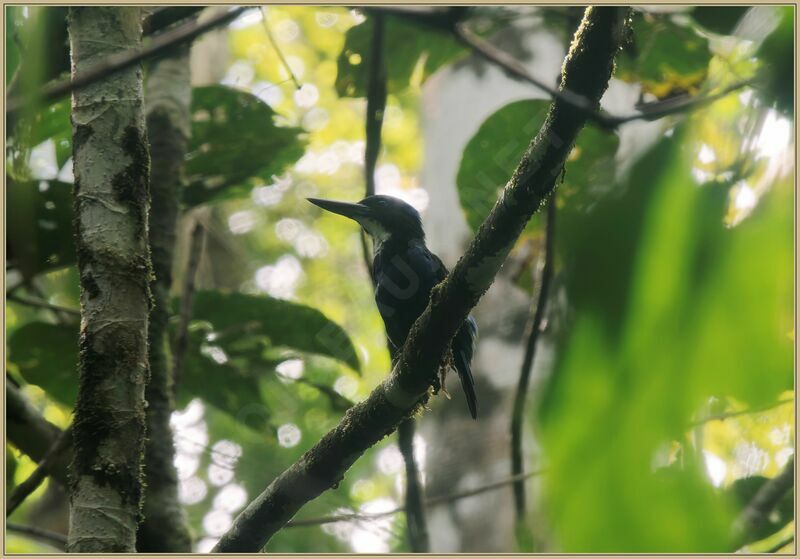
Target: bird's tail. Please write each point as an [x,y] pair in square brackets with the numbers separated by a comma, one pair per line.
[462,348]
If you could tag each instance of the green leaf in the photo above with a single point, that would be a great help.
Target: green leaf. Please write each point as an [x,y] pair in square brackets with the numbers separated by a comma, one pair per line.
[282,323]
[235,145]
[210,374]
[47,356]
[13,18]
[493,153]
[666,58]
[40,227]
[410,48]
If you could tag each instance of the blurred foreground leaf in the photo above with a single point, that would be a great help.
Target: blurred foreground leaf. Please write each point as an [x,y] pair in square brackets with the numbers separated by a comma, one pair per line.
[670,309]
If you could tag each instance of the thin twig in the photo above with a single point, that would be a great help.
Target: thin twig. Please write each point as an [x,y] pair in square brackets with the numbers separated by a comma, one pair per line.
[187,297]
[442,21]
[123,60]
[430,502]
[534,329]
[37,303]
[758,510]
[781,544]
[278,50]
[648,111]
[24,489]
[675,105]
[56,539]
[417,526]
[749,411]
[511,66]
[376,101]
[161,18]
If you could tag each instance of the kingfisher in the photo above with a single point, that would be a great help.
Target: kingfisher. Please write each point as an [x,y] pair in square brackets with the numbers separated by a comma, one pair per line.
[404,272]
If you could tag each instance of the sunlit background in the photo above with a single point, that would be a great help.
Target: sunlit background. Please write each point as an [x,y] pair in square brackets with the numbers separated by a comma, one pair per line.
[664,374]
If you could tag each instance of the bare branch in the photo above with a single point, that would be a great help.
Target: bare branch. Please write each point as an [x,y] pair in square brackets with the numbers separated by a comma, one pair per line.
[278,50]
[31,433]
[430,502]
[37,303]
[24,489]
[757,511]
[534,328]
[123,60]
[748,411]
[448,22]
[586,71]
[161,18]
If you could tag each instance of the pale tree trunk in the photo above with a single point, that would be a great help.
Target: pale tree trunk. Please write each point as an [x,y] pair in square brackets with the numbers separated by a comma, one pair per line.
[168,92]
[111,166]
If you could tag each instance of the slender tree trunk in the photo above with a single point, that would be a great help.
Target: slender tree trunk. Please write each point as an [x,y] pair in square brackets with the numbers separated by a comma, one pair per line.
[168,91]
[111,166]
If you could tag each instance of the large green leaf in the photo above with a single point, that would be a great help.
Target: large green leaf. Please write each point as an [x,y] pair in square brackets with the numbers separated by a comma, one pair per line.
[495,150]
[235,144]
[666,58]
[40,226]
[282,324]
[410,48]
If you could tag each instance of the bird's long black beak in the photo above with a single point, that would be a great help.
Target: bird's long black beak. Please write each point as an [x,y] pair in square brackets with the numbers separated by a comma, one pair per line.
[347,209]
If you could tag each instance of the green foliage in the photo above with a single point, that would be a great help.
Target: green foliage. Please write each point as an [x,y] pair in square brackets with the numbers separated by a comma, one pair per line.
[233,346]
[47,356]
[12,50]
[239,317]
[40,227]
[493,153]
[413,53]
[235,145]
[666,58]
[660,290]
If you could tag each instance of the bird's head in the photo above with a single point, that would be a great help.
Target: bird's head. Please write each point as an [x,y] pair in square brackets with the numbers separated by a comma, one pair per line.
[382,217]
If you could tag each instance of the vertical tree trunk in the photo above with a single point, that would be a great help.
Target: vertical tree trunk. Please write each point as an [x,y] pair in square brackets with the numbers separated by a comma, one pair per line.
[111,166]
[168,91]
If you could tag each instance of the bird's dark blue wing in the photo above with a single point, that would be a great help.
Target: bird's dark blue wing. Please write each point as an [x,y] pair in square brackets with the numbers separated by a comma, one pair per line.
[462,347]
[405,276]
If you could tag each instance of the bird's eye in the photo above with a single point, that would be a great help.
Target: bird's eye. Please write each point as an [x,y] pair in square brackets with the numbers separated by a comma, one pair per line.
[382,202]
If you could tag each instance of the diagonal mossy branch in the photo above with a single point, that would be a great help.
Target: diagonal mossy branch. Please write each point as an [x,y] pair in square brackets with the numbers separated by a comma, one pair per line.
[586,71]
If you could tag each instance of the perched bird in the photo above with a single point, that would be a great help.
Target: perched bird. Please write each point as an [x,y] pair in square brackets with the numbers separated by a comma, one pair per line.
[405,272]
